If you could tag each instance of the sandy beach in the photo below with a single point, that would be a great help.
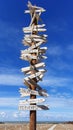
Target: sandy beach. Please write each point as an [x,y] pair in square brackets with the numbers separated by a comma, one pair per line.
[25,126]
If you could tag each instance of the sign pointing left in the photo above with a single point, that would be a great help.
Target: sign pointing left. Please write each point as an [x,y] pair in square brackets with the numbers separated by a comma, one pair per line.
[27,92]
[38,100]
[33,107]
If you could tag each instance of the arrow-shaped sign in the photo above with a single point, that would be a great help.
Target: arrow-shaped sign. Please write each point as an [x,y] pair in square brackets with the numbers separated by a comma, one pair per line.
[26,69]
[36,36]
[29,30]
[36,75]
[33,107]
[28,57]
[37,11]
[38,51]
[28,92]
[38,100]
[34,46]
[31,82]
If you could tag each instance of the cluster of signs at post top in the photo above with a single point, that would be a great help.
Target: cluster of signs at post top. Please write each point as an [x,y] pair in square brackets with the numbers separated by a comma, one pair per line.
[34,52]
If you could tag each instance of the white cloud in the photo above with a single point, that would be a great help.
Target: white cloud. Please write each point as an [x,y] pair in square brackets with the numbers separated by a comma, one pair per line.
[8,102]
[56,81]
[17,79]
[53,90]
[8,32]
[70,47]
[58,26]
[55,50]
[8,70]
[15,115]
[58,116]
[21,114]
[11,79]
[60,109]
[2,114]
[60,104]
[56,54]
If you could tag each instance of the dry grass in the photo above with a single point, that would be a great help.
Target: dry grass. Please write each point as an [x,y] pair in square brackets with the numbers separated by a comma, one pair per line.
[39,126]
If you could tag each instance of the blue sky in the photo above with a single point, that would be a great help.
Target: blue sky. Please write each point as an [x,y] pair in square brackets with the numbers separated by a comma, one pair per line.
[58,81]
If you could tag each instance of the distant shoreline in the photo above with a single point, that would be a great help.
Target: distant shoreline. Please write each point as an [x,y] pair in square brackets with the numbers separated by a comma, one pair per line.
[39,122]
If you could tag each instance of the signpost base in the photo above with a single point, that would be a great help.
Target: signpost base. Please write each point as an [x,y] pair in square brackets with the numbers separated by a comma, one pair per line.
[32,120]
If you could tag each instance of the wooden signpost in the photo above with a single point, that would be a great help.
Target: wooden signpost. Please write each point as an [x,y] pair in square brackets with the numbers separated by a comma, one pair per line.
[34,54]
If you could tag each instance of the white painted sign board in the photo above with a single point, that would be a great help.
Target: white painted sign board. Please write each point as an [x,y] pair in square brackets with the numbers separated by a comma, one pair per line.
[33,107]
[28,57]
[43,93]
[33,46]
[27,92]
[34,75]
[26,69]
[31,82]
[40,70]
[38,100]
[36,36]
[39,10]
[42,49]
[29,30]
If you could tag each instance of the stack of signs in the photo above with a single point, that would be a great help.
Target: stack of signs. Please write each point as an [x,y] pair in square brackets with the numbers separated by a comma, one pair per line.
[34,39]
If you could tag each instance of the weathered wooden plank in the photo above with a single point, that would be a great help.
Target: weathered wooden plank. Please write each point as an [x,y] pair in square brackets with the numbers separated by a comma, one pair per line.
[33,107]
[27,92]
[38,100]
[26,69]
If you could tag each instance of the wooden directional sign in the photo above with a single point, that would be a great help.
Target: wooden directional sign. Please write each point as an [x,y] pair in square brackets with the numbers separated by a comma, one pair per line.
[34,26]
[33,107]
[27,92]
[39,10]
[36,36]
[40,90]
[34,8]
[29,30]
[28,57]
[42,37]
[34,83]
[35,40]
[44,57]
[39,50]
[40,70]
[43,93]
[26,69]
[34,75]
[38,100]
[44,48]
[34,46]
[40,26]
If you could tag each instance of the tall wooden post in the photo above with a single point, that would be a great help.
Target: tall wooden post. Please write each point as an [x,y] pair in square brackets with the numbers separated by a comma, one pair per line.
[33,62]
